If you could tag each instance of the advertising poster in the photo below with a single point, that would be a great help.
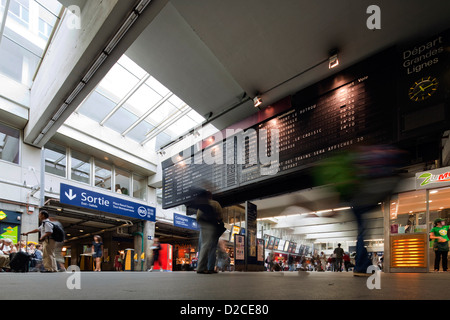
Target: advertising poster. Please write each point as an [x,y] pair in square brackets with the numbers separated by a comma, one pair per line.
[239,245]
[260,250]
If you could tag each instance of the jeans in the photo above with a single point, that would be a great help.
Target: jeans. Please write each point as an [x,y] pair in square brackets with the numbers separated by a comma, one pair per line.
[207,248]
[437,260]
[338,267]
[362,261]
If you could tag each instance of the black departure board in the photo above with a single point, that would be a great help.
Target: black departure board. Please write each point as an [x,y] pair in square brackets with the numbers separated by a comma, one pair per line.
[358,111]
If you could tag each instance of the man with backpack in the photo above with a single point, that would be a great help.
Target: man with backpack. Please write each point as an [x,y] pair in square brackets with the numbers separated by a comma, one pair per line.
[50,234]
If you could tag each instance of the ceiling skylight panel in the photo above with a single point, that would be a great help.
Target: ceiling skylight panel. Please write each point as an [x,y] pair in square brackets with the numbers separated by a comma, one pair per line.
[96,106]
[139,132]
[117,83]
[162,113]
[142,100]
[157,86]
[181,126]
[132,67]
[194,115]
[121,120]
[177,102]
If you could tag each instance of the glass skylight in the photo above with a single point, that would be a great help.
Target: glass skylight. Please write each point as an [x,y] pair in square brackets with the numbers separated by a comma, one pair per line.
[29,25]
[135,104]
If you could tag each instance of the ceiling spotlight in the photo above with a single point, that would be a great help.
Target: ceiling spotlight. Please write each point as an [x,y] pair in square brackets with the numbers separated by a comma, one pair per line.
[257,101]
[333,60]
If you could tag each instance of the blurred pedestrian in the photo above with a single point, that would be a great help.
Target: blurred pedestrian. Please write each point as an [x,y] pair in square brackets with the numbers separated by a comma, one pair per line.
[223,260]
[155,258]
[363,177]
[97,252]
[209,217]
[118,261]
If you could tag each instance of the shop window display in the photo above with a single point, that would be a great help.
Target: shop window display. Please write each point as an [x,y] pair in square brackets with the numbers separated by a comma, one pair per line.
[408,212]
[439,205]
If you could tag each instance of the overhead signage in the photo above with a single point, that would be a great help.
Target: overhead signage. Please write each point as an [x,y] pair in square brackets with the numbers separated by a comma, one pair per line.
[185,222]
[433,178]
[98,201]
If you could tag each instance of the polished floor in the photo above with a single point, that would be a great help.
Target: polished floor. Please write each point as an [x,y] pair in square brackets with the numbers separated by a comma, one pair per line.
[189,286]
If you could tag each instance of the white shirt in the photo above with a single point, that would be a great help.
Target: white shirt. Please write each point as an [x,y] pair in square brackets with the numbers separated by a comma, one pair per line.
[45,227]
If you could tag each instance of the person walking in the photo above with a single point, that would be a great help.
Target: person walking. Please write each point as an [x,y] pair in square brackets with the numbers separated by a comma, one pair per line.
[49,244]
[209,217]
[156,248]
[440,246]
[97,252]
[339,255]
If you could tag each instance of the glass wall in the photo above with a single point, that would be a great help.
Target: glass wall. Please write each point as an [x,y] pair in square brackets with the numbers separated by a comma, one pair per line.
[80,167]
[122,181]
[9,144]
[28,27]
[439,206]
[103,175]
[86,169]
[408,212]
[139,187]
[55,159]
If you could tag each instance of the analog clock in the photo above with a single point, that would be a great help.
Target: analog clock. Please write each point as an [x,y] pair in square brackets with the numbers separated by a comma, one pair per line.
[423,89]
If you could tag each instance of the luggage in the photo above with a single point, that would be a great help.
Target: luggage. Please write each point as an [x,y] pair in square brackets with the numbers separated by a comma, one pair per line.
[19,261]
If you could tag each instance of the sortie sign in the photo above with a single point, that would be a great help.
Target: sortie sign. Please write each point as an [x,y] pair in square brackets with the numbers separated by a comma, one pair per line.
[98,201]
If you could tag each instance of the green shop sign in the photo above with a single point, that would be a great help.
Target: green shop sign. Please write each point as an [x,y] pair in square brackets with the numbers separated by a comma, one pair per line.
[433,178]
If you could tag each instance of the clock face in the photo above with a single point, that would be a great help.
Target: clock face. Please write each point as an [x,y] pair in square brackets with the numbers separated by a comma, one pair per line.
[423,89]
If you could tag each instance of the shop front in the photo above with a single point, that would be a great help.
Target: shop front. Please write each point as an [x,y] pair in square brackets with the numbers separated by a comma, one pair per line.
[411,217]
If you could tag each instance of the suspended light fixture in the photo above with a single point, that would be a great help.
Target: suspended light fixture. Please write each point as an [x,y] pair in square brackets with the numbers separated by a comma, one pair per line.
[257,101]
[333,61]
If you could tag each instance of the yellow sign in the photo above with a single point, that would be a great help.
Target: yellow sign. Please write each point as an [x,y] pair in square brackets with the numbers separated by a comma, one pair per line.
[3,215]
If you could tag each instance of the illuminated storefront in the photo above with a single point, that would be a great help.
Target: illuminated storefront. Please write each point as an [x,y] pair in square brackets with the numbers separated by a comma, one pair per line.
[411,217]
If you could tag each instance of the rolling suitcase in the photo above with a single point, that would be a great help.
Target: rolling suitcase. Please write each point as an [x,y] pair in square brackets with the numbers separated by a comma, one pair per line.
[19,261]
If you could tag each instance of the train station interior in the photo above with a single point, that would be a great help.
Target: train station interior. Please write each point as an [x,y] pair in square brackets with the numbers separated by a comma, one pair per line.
[114,114]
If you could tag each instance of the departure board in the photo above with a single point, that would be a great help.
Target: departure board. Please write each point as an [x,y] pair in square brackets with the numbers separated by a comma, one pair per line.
[356,112]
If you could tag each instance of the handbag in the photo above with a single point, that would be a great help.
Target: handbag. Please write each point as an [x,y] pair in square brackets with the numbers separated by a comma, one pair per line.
[220,229]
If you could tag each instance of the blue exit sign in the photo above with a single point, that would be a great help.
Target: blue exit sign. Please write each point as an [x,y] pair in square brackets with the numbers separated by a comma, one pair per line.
[98,201]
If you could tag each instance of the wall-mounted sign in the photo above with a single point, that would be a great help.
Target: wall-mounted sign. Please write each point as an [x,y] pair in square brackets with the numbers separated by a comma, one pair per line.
[423,85]
[185,222]
[433,178]
[98,201]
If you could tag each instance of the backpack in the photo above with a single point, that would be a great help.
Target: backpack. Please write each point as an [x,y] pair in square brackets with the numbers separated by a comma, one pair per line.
[58,233]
